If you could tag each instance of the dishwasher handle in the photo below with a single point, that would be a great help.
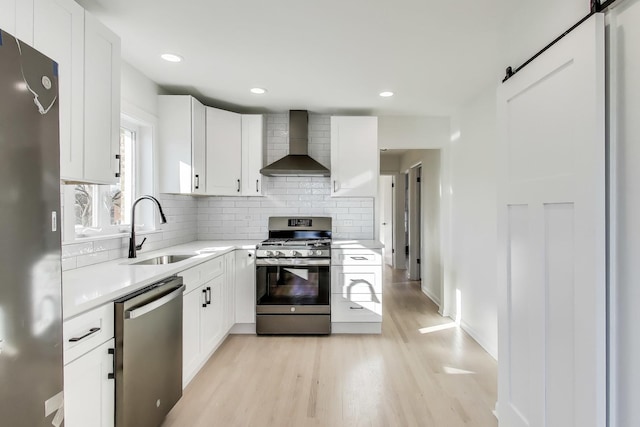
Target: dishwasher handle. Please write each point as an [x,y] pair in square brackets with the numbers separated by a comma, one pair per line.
[140,311]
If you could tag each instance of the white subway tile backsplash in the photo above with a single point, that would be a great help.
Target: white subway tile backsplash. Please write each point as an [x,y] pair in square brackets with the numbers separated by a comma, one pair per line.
[92,258]
[182,226]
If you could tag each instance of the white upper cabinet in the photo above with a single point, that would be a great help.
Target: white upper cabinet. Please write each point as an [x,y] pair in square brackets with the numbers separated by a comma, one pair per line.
[101,102]
[88,58]
[59,34]
[16,18]
[355,162]
[182,144]
[208,151]
[224,153]
[253,136]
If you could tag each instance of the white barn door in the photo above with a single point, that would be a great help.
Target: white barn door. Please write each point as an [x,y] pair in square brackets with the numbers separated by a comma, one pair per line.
[551,268]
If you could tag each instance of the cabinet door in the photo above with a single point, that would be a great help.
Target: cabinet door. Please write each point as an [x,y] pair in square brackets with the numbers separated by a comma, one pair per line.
[59,34]
[211,323]
[224,150]
[101,102]
[175,142]
[355,162]
[89,393]
[198,146]
[16,18]
[230,291]
[252,150]
[245,287]
[192,306]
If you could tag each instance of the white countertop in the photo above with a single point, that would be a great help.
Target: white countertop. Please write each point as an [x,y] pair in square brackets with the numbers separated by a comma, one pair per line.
[89,287]
[356,244]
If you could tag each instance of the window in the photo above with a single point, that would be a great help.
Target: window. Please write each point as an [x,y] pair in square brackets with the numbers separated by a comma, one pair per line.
[106,209]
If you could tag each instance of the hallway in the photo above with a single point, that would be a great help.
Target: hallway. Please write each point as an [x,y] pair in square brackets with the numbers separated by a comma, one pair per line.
[422,371]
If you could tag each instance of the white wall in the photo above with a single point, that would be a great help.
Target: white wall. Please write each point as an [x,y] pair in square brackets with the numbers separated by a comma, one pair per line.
[420,132]
[624,40]
[473,249]
[431,263]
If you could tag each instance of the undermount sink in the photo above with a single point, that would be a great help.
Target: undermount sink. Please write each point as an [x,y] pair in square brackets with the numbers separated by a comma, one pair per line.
[163,259]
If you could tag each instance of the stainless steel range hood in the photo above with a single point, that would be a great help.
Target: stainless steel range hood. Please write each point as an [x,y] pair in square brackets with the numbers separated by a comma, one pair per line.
[298,162]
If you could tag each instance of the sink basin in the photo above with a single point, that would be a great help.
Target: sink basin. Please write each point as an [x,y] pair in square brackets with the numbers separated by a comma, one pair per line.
[164,259]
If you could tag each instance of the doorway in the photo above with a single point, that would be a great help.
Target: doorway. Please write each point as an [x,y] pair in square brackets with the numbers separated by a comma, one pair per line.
[386,217]
[413,214]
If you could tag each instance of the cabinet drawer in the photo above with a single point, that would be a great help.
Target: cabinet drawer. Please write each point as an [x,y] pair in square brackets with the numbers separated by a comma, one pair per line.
[212,269]
[356,308]
[349,280]
[87,331]
[191,278]
[202,273]
[355,257]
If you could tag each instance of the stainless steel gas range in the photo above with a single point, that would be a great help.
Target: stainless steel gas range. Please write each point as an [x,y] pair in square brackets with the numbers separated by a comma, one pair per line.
[293,277]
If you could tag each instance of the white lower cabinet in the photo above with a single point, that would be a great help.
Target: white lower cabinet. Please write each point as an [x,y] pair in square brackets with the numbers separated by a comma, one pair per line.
[89,389]
[229,292]
[89,386]
[245,286]
[356,290]
[203,311]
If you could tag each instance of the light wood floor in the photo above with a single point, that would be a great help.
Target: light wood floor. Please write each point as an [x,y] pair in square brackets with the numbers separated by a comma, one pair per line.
[400,378]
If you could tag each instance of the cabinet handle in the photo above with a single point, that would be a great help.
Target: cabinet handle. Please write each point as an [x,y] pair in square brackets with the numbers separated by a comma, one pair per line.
[356,308]
[119,159]
[334,186]
[91,332]
[257,188]
[208,294]
[112,375]
[238,186]
[204,304]
[197,184]
[250,255]
[359,258]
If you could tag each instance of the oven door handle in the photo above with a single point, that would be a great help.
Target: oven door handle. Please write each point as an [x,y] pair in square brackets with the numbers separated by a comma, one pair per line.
[293,262]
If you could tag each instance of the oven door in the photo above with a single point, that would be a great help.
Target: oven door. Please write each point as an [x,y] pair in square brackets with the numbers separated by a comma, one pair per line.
[293,286]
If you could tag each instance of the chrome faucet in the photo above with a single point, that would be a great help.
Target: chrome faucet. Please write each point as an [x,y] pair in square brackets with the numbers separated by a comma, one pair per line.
[132,240]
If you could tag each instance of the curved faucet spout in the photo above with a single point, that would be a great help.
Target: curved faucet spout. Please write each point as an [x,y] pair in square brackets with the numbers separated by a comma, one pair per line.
[132,239]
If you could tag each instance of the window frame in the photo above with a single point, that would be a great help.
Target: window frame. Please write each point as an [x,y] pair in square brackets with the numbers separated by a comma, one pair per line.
[145,182]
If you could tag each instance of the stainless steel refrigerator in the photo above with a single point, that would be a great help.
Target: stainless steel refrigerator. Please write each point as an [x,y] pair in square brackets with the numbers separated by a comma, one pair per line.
[30,290]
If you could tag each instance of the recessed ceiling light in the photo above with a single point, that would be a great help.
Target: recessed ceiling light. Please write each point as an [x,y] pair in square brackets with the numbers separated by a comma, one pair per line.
[386,94]
[171,57]
[258,90]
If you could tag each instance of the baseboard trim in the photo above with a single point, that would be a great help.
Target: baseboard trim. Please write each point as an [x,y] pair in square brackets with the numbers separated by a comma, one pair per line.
[431,296]
[243,329]
[492,350]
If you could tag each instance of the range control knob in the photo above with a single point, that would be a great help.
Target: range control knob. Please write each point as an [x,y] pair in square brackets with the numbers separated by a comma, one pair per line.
[278,253]
[269,253]
[318,252]
[295,253]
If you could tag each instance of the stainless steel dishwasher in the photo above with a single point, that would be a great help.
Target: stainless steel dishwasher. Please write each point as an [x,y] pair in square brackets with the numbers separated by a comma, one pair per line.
[148,359]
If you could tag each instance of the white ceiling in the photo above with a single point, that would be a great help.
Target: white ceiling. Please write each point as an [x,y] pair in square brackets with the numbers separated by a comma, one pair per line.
[328,56]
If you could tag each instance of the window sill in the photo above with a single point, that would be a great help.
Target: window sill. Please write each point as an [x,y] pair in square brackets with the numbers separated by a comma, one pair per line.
[101,237]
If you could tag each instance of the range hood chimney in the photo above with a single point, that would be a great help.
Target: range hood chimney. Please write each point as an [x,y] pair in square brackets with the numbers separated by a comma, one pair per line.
[297,162]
